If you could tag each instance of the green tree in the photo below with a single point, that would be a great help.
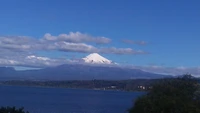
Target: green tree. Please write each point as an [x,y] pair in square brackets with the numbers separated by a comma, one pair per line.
[177,95]
[12,110]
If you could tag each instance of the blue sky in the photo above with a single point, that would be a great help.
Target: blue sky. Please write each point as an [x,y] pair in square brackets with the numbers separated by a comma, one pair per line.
[170,28]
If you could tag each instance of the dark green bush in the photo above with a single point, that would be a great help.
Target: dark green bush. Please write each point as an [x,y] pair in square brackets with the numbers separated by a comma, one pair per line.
[12,110]
[175,95]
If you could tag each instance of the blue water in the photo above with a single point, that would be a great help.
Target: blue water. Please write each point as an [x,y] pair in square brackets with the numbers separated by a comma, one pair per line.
[60,100]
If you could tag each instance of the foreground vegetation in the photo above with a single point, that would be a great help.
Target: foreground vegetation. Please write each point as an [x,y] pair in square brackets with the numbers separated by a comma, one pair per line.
[12,110]
[179,95]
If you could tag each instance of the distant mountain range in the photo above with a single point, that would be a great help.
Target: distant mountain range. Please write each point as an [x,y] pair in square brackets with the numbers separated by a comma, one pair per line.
[77,72]
[94,67]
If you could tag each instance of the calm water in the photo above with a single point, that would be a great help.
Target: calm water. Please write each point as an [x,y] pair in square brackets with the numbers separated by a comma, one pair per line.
[60,100]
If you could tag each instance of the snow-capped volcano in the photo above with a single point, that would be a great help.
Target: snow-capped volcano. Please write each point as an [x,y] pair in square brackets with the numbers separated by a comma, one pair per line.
[95,58]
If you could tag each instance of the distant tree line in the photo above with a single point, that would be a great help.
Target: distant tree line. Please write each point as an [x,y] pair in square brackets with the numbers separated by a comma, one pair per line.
[125,85]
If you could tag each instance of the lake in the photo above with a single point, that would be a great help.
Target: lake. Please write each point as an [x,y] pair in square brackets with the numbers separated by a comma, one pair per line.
[61,100]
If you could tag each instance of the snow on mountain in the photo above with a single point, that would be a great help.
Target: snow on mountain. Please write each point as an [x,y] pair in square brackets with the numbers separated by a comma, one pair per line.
[95,58]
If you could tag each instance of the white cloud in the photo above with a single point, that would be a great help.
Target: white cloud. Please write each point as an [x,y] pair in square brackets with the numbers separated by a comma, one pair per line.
[32,61]
[32,57]
[8,62]
[74,47]
[39,61]
[77,37]
[14,43]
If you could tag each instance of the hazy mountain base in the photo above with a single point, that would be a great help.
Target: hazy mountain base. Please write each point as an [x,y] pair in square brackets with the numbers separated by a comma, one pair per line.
[78,72]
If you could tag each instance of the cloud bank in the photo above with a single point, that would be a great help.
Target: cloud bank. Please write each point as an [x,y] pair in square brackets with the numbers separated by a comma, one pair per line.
[72,42]
[21,50]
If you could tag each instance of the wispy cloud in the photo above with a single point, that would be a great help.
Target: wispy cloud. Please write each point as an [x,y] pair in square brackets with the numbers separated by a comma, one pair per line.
[195,71]
[134,42]
[114,50]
